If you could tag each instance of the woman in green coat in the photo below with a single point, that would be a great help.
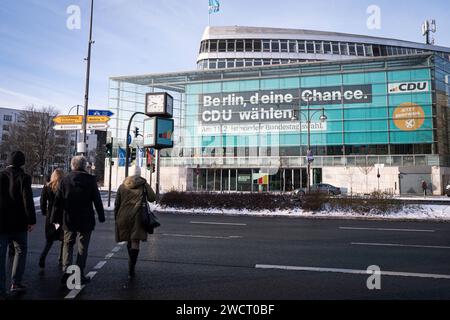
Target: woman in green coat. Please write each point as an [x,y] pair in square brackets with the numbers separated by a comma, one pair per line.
[127,210]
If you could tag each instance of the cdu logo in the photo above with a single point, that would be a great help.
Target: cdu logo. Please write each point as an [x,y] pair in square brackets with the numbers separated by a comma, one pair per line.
[408,87]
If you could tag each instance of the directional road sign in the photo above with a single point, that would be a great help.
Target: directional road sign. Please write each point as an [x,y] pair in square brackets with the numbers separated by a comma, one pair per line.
[97,119]
[89,126]
[68,119]
[105,113]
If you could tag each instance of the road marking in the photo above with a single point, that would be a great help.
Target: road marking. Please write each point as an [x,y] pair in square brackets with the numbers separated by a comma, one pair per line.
[354,271]
[74,293]
[398,245]
[219,223]
[100,264]
[386,229]
[201,236]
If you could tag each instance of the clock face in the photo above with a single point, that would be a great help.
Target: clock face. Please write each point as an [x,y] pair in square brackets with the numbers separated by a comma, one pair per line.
[155,103]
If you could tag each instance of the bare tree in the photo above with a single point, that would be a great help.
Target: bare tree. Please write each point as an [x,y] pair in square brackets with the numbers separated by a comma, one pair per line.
[33,134]
[366,171]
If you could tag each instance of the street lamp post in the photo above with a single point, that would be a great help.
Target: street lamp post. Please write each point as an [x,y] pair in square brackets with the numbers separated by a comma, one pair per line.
[308,117]
[76,132]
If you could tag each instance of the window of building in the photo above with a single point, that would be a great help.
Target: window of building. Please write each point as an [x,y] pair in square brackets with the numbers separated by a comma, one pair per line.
[275,46]
[360,49]
[248,62]
[202,45]
[266,62]
[389,51]
[319,46]
[248,45]
[213,45]
[230,63]
[292,46]
[275,61]
[212,64]
[335,47]
[230,45]
[327,48]
[221,64]
[283,46]
[240,45]
[284,61]
[266,45]
[344,49]
[352,49]
[239,63]
[309,47]
[222,44]
[257,45]
[369,51]
[7,117]
[301,46]
[6,127]
[376,51]
[257,62]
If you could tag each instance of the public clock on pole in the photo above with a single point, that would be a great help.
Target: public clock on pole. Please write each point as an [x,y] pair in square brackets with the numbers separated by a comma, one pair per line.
[159,104]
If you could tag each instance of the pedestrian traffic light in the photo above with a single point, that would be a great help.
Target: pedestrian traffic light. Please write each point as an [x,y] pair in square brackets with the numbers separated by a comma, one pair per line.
[108,147]
[132,154]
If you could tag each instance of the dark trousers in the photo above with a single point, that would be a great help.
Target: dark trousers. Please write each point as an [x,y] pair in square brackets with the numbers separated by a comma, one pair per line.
[20,240]
[82,239]
[48,246]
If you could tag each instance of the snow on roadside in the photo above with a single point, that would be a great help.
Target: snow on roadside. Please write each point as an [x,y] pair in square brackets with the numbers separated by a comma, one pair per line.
[410,212]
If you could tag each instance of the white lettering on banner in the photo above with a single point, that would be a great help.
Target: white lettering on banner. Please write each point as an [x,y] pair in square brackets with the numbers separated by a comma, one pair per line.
[261,128]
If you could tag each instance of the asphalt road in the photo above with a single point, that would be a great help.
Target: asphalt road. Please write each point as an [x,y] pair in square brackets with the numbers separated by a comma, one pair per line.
[231,258]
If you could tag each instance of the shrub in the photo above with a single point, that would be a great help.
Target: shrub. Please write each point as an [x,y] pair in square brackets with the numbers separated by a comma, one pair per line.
[314,201]
[250,201]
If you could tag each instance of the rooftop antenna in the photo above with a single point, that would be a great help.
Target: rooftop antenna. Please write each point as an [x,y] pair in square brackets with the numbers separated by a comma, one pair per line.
[428,27]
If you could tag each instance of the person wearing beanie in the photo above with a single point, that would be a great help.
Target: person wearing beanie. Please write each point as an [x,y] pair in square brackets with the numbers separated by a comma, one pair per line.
[17,218]
[127,211]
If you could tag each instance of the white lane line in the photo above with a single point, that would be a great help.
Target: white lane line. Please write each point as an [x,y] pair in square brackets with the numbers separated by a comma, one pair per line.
[201,236]
[74,293]
[116,249]
[100,265]
[386,229]
[218,223]
[354,271]
[398,245]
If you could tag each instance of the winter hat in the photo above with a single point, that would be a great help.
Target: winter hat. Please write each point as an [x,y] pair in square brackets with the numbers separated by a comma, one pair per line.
[136,171]
[16,159]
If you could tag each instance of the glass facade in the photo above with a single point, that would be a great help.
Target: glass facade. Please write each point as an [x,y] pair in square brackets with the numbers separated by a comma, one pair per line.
[236,124]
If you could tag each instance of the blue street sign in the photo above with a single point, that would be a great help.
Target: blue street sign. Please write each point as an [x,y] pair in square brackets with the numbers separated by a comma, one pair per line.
[152,151]
[129,139]
[105,113]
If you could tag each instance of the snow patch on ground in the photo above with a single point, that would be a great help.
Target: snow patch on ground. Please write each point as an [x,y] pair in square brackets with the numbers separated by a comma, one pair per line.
[410,212]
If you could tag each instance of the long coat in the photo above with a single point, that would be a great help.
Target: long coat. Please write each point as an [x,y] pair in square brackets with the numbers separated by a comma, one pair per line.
[16,201]
[127,208]
[47,202]
[74,201]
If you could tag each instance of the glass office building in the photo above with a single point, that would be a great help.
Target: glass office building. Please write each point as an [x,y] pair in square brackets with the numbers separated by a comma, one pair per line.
[246,129]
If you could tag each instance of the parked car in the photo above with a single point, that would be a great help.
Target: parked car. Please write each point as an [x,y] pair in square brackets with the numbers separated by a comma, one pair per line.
[319,187]
[447,190]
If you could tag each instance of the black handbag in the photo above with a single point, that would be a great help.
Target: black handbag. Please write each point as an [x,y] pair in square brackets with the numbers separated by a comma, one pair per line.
[149,220]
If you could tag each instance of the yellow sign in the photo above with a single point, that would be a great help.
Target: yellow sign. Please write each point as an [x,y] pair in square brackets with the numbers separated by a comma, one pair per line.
[68,119]
[409,116]
[97,119]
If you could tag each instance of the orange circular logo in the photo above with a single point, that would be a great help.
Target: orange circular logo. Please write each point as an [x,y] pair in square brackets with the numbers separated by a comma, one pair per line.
[409,116]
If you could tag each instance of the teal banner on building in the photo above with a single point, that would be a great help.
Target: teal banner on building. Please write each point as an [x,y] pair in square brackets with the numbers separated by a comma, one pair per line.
[373,108]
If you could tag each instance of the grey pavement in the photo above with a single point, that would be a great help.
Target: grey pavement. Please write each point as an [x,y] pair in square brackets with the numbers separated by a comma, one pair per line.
[202,257]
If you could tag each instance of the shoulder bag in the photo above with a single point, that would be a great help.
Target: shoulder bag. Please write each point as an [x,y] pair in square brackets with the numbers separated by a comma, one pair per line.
[149,220]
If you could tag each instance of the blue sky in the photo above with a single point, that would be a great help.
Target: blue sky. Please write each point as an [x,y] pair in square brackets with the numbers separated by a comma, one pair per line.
[41,60]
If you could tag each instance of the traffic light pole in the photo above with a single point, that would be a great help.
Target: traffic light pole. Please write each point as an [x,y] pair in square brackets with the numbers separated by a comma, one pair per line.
[110,173]
[127,157]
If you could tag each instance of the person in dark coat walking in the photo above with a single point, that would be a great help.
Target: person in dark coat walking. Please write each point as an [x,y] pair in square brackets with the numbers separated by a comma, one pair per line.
[17,218]
[127,210]
[52,232]
[73,209]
